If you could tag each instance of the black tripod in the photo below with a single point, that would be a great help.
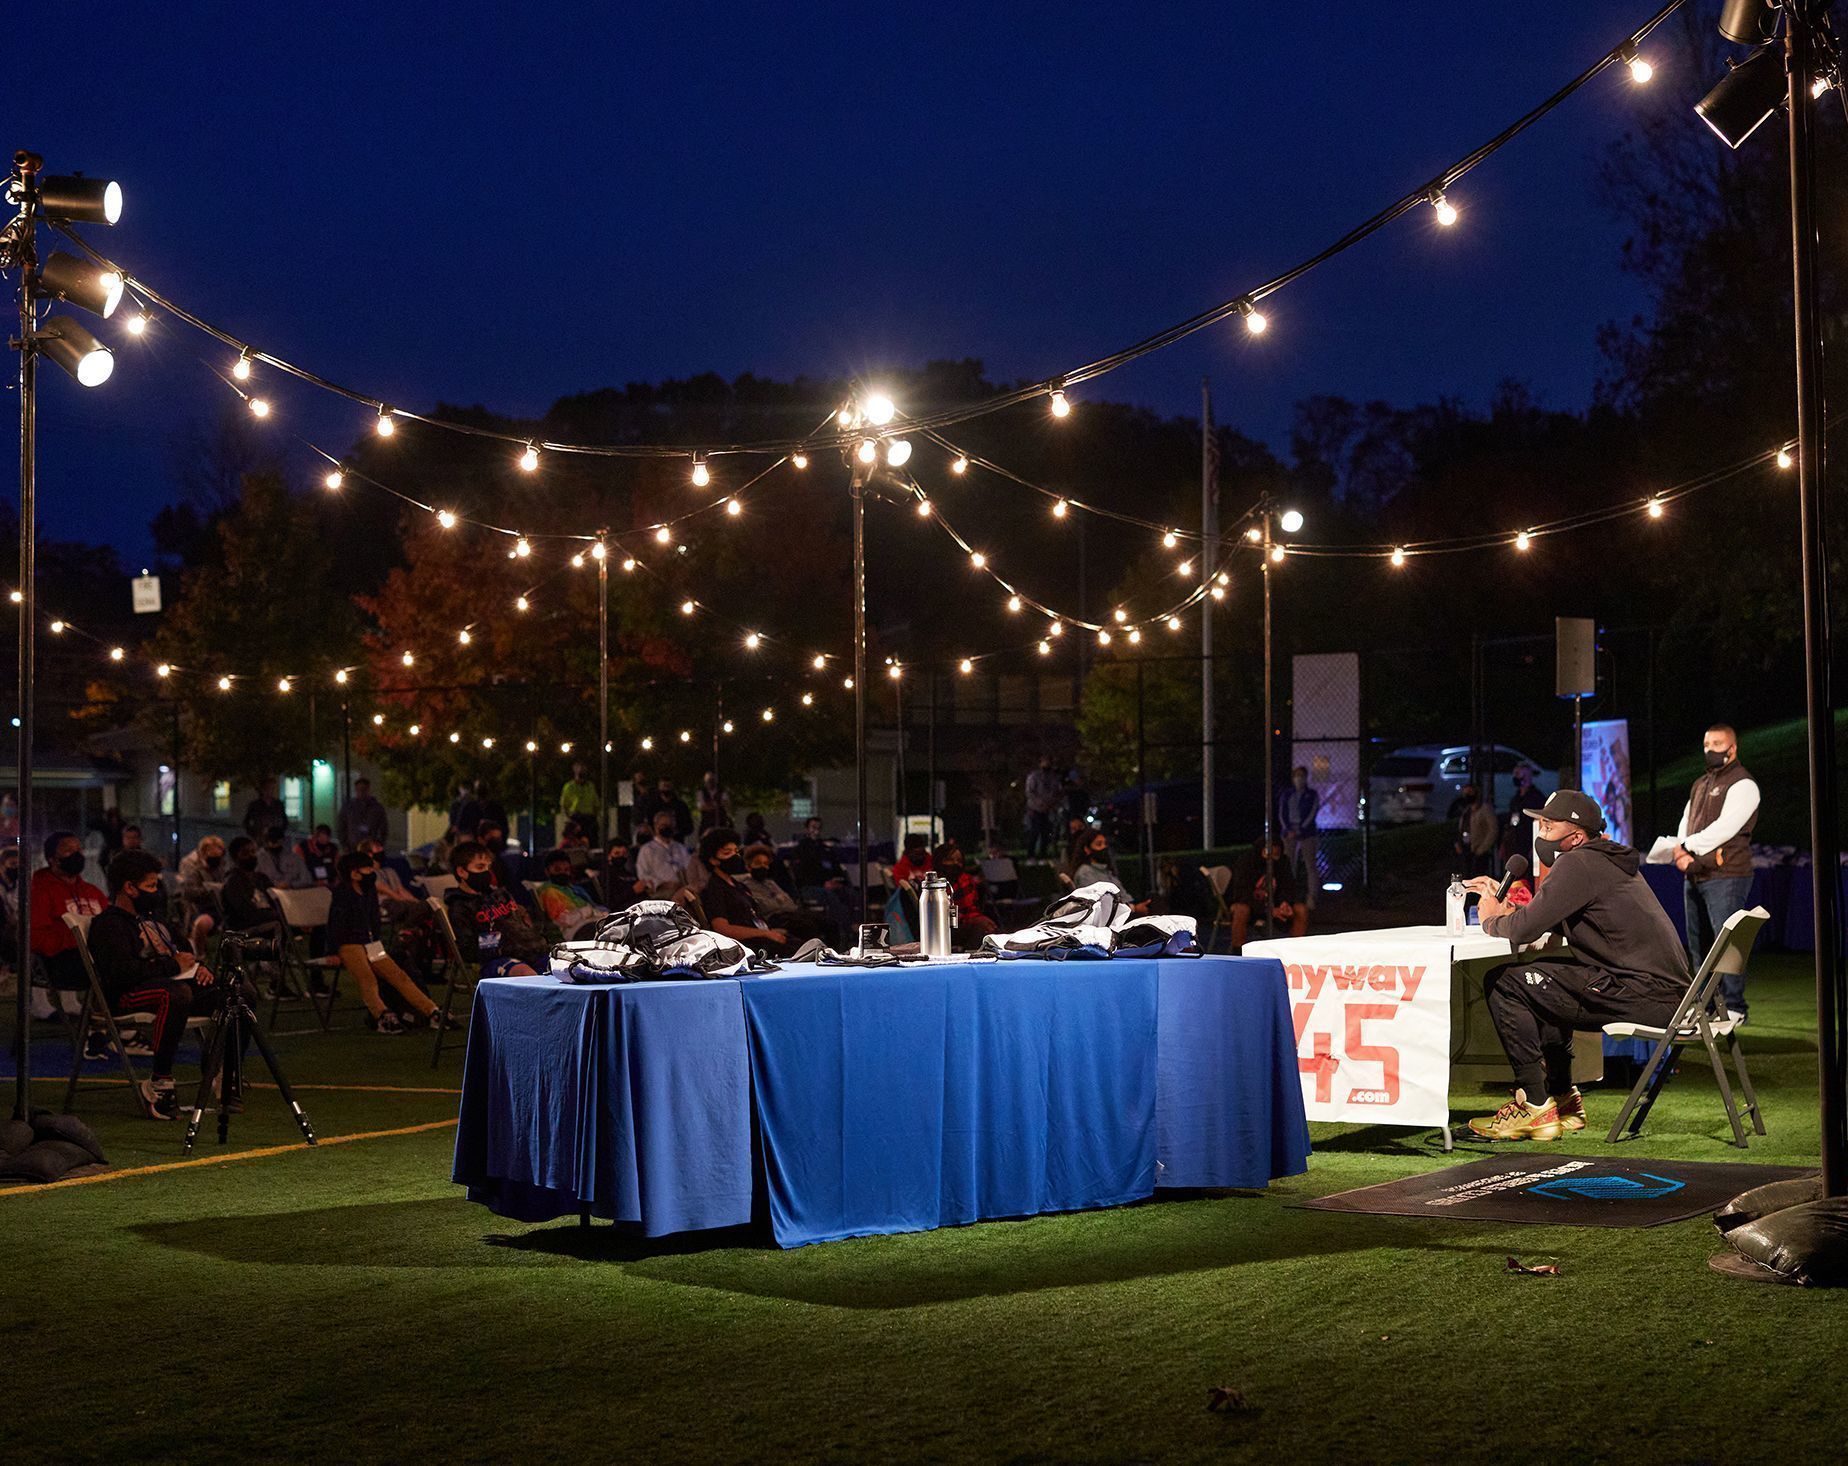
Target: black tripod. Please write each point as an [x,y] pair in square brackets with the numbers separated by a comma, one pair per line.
[224,1051]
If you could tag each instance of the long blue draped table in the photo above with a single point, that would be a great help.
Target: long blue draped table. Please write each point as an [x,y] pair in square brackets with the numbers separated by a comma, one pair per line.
[882,1100]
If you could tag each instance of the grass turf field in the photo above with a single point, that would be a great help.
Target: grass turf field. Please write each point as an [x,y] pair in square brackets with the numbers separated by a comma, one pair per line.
[346,1304]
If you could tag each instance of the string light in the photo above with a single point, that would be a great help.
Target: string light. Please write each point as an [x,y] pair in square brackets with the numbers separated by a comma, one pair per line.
[647,745]
[628,565]
[752,641]
[415,729]
[1135,636]
[284,685]
[1013,603]
[446,518]
[1276,555]
[597,552]
[1640,70]
[455,737]
[522,604]
[702,475]
[1056,628]
[1784,460]
[340,677]
[769,715]
[965,666]
[959,464]
[463,636]
[733,508]
[1523,540]
[879,409]
[385,427]
[868,451]
[1185,568]
[408,658]
[57,628]
[847,684]
[1222,579]
[1059,509]
[163,670]
[241,367]
[1174,623]
[895,671]
[1256,322]
[1219,592]
[685,736]
[17,597]
[259,407]
[1061,406]
[116,653]
[487,743]
[1655,508]
[564,747]
[1119,615]
[1398,558]
[529,460]
[1254,534]
[522,547]
[687,608]
[663,535]
[378,720]
[808,699]
[1103,636]
[335,478]
[224,684]
[1169,540]
[1446,211]
[577,562]
[819,661]
[923,507]
[798,460]
[531,747]
[1045,648]
[978,559]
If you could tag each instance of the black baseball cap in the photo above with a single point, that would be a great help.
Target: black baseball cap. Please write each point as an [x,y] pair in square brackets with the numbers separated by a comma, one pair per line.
[1574,808]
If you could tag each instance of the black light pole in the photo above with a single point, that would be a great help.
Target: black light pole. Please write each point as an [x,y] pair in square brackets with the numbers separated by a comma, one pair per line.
[1801,18]
[857,491]
[346,751]
[26,255]
[1270,794]
[603,689]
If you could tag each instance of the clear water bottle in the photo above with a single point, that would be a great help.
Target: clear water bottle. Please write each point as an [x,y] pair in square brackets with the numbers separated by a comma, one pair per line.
[1455,899]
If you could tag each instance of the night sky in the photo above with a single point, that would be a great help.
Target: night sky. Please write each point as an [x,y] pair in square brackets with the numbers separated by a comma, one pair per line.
[503,204]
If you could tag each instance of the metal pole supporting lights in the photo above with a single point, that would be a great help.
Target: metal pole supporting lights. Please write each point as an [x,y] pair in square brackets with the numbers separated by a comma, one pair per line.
[63,341]
[1790,76]
[1289,521]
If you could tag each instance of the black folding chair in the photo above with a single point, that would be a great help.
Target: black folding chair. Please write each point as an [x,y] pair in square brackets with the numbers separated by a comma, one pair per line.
[453,969]
[96,1010]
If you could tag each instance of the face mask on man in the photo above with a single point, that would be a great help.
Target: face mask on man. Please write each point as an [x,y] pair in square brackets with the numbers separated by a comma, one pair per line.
[760,872]
[1547,850]
[72,864]
[480,880]
[148,903]
[732,865]
[1716,760]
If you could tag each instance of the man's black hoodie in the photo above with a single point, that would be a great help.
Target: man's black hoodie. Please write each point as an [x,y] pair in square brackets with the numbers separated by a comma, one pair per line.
[1608,914]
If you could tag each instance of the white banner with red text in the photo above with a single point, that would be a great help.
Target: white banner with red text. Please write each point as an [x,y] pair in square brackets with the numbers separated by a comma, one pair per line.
[1372,1020]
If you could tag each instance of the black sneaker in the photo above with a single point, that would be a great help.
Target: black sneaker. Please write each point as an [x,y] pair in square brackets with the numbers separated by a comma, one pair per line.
[437,1020]
[95,1045]
[387,1022]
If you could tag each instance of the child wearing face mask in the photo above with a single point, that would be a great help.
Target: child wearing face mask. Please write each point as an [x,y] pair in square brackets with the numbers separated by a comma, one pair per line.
[492,928]
[353,933]
[59,889]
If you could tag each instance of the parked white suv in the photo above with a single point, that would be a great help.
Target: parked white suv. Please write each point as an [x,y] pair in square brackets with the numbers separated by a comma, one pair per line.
[1417,785]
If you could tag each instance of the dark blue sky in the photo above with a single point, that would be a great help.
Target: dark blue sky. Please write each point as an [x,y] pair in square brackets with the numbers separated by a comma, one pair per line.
[505,203]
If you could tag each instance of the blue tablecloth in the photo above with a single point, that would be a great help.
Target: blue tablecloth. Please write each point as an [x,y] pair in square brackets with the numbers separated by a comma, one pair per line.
[885,1099]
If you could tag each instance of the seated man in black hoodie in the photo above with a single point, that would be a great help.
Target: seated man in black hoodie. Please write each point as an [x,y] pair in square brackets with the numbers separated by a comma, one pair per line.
[491,927]
[1626,962]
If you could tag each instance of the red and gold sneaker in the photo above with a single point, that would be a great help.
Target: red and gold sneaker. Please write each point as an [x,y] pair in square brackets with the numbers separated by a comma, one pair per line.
[1518,1120]
[1571,1107]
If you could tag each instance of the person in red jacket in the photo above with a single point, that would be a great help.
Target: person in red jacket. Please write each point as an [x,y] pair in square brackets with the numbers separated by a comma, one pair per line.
[56,890]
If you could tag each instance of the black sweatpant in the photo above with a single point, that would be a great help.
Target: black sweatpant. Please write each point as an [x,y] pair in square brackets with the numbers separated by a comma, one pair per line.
[171,1002]
[1536,1005]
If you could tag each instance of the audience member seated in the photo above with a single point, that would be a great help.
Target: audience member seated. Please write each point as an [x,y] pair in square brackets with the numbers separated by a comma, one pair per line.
[915,861]
[406,903]
[509,866]
[353,934]
[728,908]
[821,881]
[1251,892]
[972,923]
[776,904]
[280,865]
[131,837]
[144,968]
[57,890]
[320,855]
[492,929]
[618,881]
[246,898]
[661,864]
[202,873]
[565,900]
[756,832]
[1184,890]
[1095,865]
[663,800]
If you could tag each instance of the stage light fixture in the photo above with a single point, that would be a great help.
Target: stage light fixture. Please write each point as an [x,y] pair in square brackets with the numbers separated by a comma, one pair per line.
[91,287]
[878,409]
[67,343]
[1745,97]
[898,453]
[79,200]
[868,451]
[1290,521]
[1743,21]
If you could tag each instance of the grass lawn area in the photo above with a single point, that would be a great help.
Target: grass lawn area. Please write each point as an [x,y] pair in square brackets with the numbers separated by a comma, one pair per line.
[346,1304]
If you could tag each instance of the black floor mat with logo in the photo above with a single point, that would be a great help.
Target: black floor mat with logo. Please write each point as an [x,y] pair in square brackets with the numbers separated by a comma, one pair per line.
[1561,1191]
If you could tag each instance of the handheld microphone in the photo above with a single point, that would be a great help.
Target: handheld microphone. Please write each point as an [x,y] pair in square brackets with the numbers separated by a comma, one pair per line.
[1517,868]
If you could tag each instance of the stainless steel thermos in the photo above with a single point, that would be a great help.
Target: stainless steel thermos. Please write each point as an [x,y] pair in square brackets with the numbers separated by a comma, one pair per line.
[934,915]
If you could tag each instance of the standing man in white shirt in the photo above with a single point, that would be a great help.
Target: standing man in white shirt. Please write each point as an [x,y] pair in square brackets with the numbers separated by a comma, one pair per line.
[1714,851]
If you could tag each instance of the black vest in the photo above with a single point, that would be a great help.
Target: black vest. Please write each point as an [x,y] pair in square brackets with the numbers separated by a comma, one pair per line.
[1705,800]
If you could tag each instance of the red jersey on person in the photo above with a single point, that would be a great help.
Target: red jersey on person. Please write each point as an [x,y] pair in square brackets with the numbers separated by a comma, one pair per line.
[54,894]
[907,870]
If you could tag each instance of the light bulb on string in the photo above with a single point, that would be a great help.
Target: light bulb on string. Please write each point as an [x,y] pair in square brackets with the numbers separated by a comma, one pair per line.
[531,747]
[1523,540]
[340,677]
[335,478]
[224,684]
[259,407]
[769,715]
[923,507]
[1254,534]
[284,685]
[727,726]
[1654,507]
[446,518]
[819,662]
[648,745]
[1256,322]
[1276,554]
[1174,623]
[1169,540]
[116,653]
[463,636]
[57,627]
[1103,636]
[1784,460]
[1119,615]
[1398,558]
[409,658]
[978,559]
[564,747]
[1056,627]
[628,565]
[868,451]
[487,743]
[752,641]
[733,508]
[577,562]
[164,669]
[385,427]
[966,666]
[878,409]
[959,464]
[1135,636]
[520,603]
[1222,579]
[241,367]
[895,671]
[808,699]
[688,607]
[898,452]
[1045,648]
[1059,403]
[597,552]
[378,720]
[847,684]
[522,547]
[702,475]
[1219,592]
[685,736]
[664,535]
[1059,509]
[1184,568]
[1446,211]
[529,460]
[1014,603]
[414,729]
[455,737]
[798,460]
[17,597]
[1641,70]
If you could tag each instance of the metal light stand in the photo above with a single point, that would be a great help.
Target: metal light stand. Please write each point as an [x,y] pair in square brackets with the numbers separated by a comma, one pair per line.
[1270,794]
[856,489]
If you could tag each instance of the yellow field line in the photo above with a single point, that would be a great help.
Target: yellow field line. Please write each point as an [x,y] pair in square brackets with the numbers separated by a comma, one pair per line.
[236,1155]
[329,1088]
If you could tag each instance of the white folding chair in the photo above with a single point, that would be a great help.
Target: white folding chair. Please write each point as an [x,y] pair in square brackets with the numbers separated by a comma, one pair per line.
[1219,877]
[1698,1018]
[437,885]
[96,1009]
[303,912]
